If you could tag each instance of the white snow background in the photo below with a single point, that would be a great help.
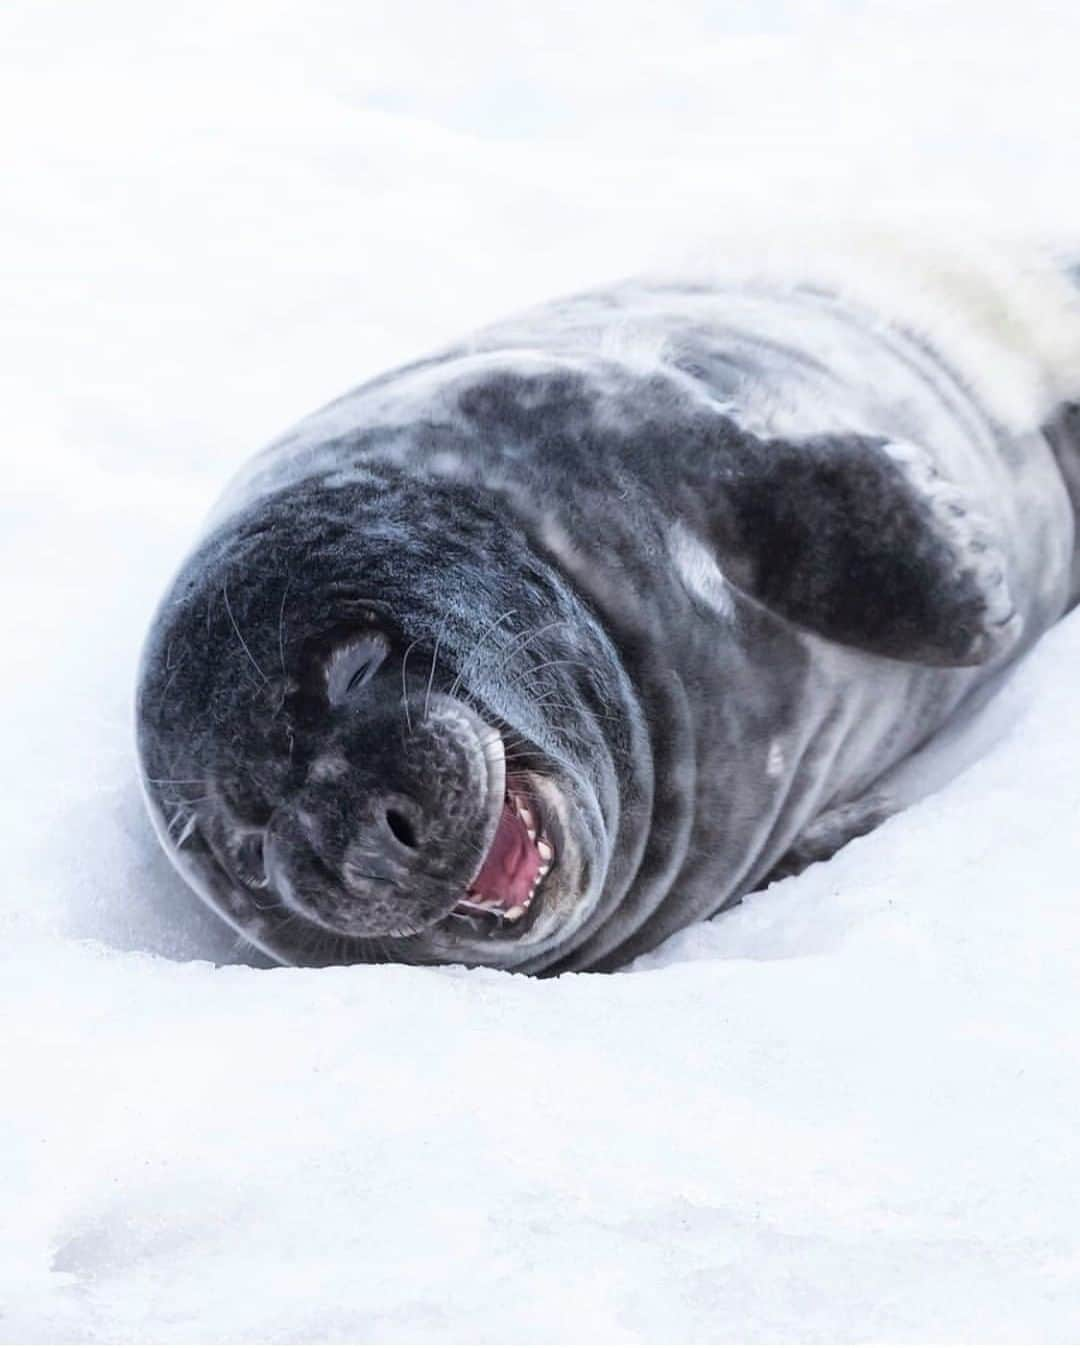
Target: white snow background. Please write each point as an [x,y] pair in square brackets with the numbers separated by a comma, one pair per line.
[850,1110]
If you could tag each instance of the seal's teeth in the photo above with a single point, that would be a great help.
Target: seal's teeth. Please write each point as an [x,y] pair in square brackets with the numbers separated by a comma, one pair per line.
[532,834]
[512,914]
[546,853]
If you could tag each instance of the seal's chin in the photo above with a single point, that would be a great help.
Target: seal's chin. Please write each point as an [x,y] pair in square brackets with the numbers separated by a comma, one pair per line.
[518,861]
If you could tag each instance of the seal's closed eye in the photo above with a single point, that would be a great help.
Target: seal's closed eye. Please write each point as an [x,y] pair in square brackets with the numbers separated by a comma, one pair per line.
[354,664]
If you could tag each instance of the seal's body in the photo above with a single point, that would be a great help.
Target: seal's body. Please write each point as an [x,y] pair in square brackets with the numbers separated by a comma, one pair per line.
[535,651]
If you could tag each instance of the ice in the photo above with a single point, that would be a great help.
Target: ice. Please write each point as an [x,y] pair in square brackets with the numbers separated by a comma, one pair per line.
[847,1110]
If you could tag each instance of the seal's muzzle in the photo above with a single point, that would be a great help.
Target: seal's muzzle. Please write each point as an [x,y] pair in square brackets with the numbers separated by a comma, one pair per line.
[394,820]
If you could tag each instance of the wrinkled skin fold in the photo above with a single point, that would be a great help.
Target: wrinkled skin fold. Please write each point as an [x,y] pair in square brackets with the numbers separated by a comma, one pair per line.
[536,651]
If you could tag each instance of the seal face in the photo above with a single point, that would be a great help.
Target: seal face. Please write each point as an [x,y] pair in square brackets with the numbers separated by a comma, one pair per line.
[533,652]
[347,728]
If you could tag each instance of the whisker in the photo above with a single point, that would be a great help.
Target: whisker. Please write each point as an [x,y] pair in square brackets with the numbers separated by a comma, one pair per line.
[281,640]
[569,706]
[281,625]
[522,644]
[547,664]
[247,652]
[466,663]
[434,662]
[404,686]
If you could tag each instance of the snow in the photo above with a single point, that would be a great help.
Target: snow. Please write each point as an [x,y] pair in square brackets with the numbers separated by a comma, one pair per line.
[847,1110]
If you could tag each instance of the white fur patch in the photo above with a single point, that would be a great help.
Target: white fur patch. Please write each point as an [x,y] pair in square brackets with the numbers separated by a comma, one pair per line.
[698,570]
[1002,313]
[638,346]
[446,463]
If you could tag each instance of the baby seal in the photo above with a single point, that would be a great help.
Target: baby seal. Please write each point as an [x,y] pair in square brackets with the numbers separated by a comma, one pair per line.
[535,651]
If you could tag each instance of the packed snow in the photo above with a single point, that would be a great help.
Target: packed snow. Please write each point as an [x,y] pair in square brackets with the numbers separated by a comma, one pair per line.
[847,1110]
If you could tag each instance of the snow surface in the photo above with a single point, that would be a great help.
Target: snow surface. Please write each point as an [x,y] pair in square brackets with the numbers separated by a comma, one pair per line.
[847,1111]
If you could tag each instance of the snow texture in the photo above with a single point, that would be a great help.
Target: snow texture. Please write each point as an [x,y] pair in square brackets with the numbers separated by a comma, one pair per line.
[848,1110]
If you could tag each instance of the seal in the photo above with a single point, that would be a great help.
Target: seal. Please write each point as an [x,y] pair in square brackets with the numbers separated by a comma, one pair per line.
[534,651]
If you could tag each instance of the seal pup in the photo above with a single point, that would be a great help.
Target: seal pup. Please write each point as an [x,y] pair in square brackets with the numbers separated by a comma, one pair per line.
[534,651]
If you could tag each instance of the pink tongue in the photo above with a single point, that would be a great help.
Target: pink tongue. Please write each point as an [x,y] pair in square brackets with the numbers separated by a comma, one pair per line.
[511,865]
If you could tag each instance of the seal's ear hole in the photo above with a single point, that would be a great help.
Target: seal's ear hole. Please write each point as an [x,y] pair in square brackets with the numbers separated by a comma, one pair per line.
[401,828]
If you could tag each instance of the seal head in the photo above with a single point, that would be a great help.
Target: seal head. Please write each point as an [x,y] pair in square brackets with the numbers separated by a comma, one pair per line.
[352,762]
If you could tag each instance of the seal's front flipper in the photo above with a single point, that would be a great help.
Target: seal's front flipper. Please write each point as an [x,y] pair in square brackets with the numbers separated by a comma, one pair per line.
[831,831]
[863,540]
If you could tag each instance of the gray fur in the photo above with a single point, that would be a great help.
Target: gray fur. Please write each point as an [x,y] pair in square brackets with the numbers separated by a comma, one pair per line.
[707,585]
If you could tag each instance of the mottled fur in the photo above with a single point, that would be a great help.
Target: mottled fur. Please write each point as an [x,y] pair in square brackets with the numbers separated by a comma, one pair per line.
[712,557]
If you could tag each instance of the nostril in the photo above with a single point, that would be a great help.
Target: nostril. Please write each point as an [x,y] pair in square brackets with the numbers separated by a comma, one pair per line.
[401,828]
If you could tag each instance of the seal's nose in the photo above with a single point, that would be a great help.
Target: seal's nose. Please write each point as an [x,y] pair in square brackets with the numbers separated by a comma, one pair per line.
[356,872]
[388,828]
[379,835]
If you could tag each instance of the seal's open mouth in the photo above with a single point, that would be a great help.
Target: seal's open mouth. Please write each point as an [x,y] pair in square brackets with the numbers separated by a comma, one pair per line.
[516,864]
